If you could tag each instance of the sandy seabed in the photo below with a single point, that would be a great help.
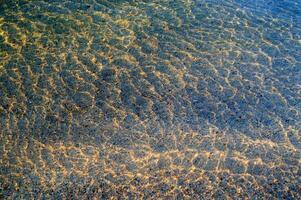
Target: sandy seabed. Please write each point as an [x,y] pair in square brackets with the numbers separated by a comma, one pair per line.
[166,99]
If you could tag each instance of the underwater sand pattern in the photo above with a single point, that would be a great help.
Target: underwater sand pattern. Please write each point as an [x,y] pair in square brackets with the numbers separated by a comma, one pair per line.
[164,99]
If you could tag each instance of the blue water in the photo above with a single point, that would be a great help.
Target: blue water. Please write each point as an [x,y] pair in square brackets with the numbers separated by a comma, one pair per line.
[169,99]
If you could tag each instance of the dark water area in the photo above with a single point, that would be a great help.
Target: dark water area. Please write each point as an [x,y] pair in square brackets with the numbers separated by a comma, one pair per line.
[164,99]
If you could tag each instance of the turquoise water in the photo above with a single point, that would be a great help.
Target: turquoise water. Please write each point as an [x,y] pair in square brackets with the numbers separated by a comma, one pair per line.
[165,99]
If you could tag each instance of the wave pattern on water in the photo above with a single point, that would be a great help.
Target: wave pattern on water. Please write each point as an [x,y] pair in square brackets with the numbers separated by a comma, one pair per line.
[138,99]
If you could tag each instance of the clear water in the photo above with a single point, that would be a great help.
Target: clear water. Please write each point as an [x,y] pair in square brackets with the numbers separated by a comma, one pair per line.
[168,99]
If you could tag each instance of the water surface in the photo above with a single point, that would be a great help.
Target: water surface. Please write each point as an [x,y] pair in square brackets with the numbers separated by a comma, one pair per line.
[168,99]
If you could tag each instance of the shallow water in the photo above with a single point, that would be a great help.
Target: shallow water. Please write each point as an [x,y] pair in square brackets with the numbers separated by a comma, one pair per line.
[168,99]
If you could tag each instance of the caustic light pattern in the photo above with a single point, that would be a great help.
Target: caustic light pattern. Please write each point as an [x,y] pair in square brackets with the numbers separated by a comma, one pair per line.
[168,99]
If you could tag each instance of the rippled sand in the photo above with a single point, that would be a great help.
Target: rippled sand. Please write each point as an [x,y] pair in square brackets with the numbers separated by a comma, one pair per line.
[164,99]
